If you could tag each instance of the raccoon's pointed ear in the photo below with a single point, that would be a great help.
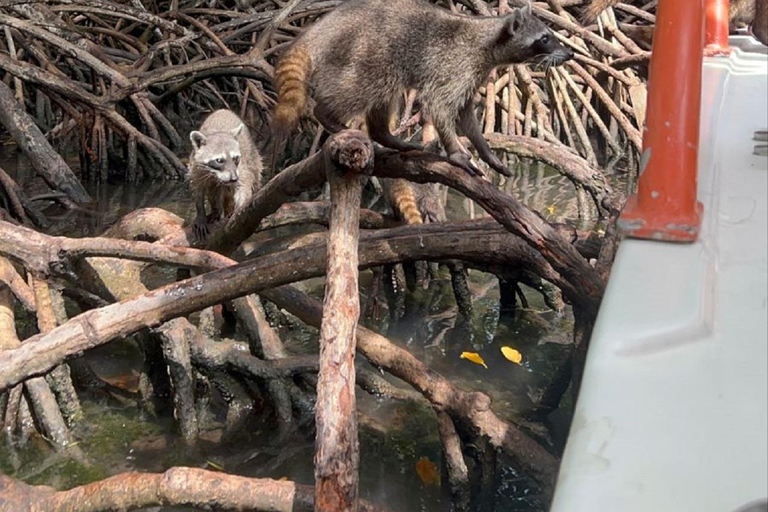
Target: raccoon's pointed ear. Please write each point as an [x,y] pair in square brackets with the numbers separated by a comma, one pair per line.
[528,8]
[197,139]
[515,20]
[236,131]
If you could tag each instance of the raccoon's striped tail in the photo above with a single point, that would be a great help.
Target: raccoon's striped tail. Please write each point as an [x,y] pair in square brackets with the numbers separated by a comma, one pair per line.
[292,84]
[594,9]
[403,201]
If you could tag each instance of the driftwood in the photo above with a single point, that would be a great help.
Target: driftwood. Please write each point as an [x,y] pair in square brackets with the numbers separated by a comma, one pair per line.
[458,474]
[480,248]
[11,278]
[177,487]
[318,212]
[380,351]
[59,379]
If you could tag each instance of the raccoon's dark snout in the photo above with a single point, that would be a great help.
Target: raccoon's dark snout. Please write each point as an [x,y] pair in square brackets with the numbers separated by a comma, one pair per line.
[563,55]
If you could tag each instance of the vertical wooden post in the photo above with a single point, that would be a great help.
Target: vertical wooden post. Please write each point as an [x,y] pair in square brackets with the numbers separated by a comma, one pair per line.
[336,448]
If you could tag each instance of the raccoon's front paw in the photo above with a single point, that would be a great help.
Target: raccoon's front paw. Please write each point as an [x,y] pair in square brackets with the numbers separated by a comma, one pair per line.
[464,161]
[497,165]
[201,230]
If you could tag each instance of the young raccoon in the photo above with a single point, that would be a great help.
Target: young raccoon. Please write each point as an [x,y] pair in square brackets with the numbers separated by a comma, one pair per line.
[224,167]
[363,55]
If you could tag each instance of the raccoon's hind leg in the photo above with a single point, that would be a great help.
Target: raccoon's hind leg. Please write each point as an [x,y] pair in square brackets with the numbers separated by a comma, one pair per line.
[378,129]
[457,153]
[327,119]
[468,125]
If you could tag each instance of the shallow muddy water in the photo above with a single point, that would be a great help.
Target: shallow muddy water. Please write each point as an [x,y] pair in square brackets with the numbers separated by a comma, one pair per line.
[400,449]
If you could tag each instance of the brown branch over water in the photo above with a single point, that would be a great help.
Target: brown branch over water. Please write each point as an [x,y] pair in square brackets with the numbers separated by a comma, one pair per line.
[529,226]
[177,487]
[458,475]
[42,402]
[318,212]
[15,282]
[291,182]
[577,169]
[468,407]
[467,241]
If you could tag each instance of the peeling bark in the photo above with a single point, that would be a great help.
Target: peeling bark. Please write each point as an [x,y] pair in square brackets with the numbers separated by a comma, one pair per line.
[177,487]
[337,451]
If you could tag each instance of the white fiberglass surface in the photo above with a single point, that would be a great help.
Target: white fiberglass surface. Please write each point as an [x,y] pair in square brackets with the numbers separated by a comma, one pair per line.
[673,410]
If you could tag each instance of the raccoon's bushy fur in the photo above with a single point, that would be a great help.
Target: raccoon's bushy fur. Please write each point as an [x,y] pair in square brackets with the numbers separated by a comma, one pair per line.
[361,57]
[402,198]
[224,167]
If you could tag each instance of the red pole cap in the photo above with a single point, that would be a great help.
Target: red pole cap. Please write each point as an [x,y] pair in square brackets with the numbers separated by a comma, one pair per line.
[665,205]
[716,28]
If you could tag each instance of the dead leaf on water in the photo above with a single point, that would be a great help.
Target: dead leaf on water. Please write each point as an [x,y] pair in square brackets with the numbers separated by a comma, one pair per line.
[473,357]
[427,471]
[512,355]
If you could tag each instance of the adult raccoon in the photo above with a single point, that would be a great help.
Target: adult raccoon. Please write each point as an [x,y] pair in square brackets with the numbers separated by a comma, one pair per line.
[361,57]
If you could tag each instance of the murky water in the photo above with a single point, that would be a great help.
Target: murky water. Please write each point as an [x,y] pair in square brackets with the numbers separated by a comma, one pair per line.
[394,436]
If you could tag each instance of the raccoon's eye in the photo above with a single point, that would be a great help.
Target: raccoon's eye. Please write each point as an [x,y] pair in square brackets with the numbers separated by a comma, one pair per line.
[544,39]
[219,161]
[236,159]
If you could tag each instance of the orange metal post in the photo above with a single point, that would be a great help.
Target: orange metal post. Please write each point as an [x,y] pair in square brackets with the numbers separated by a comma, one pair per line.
[716,28]
[665,206]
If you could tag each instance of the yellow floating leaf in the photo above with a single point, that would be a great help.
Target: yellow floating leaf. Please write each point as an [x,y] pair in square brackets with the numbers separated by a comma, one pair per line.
[551,209]
[512,354]
[473,357]
[283,478]
[427,471]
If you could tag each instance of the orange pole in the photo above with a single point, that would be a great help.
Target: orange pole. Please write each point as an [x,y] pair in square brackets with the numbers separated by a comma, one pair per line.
[665,206]
[716,28]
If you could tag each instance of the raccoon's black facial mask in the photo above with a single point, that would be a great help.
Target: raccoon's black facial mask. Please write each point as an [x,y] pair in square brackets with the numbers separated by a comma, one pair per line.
[548,52]
[549,45]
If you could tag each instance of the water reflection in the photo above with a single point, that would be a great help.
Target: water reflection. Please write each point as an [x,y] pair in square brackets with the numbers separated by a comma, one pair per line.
[395,436]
